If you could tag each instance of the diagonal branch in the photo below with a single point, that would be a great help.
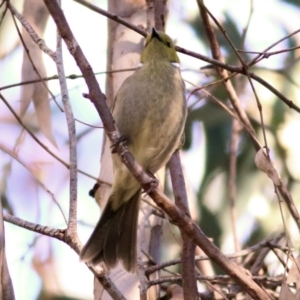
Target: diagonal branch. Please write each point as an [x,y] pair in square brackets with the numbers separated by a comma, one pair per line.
[37,140]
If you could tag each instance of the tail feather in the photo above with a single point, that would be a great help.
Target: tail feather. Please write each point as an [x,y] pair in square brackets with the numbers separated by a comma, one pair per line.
[114,237]
[126,250]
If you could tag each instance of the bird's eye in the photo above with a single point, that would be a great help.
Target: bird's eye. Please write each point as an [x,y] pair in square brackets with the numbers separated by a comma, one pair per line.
[168,44]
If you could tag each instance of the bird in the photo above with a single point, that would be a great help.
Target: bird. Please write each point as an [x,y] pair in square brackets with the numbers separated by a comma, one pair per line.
[150,113]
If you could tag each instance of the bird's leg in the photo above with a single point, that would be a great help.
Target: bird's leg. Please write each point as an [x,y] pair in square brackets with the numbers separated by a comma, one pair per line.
[121,139]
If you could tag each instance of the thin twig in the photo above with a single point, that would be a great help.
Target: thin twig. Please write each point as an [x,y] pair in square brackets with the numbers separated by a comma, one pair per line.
[17,158]
[55,77]
[4,12]
[260,56]
[45,230]
[221,279]
[287,101]
[39,142]
[286,196]
[112,16]
[40,42]
[58,59]
[267,243]
[268,54]
[261,257]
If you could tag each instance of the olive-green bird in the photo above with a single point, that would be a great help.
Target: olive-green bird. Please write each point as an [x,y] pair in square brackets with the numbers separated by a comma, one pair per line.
[150,112]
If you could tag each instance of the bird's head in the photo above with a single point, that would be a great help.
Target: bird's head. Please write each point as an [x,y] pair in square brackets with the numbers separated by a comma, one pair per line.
[159,46]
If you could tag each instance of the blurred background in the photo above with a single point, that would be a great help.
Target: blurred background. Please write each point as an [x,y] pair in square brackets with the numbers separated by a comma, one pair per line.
[44,268]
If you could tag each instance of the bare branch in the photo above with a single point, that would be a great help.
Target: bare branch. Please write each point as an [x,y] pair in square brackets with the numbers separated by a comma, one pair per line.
[40,42]
[188,247]
[72,221]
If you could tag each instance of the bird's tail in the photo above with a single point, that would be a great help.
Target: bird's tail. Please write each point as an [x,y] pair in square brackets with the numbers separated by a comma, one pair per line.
[114,237]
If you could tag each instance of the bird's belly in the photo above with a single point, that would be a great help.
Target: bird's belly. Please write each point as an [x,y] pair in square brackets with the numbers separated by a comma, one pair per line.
[152,119]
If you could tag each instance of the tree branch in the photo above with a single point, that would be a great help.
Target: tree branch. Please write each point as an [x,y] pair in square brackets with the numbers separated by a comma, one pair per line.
[72,220]
[189,281]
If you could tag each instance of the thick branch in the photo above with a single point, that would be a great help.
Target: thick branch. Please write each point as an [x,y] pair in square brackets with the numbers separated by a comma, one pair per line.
[189,281]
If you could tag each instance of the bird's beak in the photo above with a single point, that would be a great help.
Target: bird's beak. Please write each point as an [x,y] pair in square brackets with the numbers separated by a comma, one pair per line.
[155,34]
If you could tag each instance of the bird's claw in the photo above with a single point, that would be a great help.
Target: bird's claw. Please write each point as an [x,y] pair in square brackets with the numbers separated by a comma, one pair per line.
[121,139]
[151,186]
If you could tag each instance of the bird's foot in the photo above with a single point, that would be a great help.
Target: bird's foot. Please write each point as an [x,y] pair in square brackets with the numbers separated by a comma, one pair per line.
[121,139]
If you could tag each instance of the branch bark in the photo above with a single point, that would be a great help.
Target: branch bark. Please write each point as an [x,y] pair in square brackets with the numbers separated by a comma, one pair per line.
[6,287]
[188,272]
